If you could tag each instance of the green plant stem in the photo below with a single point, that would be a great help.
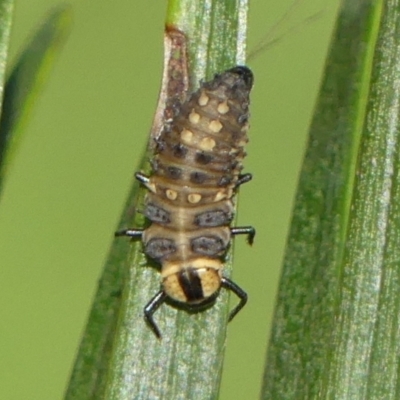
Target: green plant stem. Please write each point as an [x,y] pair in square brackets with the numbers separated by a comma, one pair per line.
[120,357]
[6,13]
[27,78]
[336,326]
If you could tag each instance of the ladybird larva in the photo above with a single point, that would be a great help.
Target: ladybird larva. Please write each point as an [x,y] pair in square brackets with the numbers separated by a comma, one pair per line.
[196,171]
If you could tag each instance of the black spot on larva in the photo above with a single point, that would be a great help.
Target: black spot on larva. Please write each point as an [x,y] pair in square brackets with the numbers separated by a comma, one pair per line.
[208,245]
[159,248]
[179,151]
[203,158]
[190,283]
[231,166]
[198,177]
[243,119]
[224,181]
[213,218]
[174,172]
[157,214]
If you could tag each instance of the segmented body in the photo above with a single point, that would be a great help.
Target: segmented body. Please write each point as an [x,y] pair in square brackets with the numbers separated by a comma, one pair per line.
[196,170]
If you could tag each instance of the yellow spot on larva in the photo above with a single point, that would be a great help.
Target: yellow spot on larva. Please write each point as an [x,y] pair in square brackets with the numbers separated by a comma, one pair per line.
[215,126]
[194,198]
[203,99]
[187,136]
[220,196]
[194,118]
[207,144]
[171,194]
[223,108]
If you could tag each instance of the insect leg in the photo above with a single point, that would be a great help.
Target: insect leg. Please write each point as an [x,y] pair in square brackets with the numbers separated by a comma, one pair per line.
[145,180]
[151,307]
[245,230]
[244,178]
[230,285]
[142,178]
[133,233]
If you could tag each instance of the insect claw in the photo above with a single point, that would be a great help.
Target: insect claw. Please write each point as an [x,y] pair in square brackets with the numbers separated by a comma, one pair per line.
[243,179]
[245,230]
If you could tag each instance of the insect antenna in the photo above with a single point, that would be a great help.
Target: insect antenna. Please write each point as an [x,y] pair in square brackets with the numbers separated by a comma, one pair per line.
[269,40]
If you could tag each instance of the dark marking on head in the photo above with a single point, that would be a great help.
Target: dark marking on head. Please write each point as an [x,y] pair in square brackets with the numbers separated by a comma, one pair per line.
[208,245]
[157,214]
[159,248]
[198,177]
[191,285]
[213,218]
[203,158]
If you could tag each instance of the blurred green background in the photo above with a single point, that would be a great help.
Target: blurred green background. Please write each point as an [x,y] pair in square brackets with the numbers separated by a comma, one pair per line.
[73,170]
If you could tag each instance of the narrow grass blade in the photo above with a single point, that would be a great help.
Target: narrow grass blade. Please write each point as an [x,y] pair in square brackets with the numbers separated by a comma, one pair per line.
[336,327]
[25,81]
[119,355]
[6,12]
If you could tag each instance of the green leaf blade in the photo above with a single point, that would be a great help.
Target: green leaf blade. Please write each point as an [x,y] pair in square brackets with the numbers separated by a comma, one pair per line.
[120,357]
[6,12]
[216,31]
[368,333]
[26,80]
[335,332]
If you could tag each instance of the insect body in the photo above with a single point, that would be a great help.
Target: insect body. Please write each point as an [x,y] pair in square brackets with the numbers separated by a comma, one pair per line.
[196,171]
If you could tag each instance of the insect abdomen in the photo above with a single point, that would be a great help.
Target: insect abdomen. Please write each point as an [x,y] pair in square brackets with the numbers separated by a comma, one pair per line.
[196,168]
